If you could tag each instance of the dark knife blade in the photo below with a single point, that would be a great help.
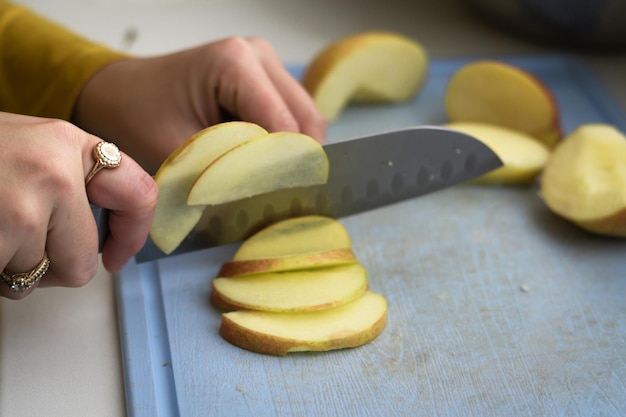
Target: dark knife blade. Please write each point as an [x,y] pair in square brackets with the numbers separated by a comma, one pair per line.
[365,173]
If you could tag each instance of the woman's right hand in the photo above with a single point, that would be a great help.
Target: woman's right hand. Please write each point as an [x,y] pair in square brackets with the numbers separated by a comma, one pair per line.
[44,203]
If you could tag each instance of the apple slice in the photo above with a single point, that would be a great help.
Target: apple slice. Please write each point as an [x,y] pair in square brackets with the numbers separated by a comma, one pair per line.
[367,67]
[522,156]
[293,236]
[349,325]
[584,180]
[173,219]
[290,291]
[498,93]
[307,260]
[264,164]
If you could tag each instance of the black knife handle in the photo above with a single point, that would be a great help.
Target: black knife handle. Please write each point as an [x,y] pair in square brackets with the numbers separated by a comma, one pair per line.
[101,216]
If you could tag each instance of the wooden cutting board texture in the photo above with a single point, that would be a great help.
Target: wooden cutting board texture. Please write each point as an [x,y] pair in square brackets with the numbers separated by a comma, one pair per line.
[496,306]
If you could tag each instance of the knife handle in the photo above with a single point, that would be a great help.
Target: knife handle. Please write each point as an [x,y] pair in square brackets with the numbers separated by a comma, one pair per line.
[101,216]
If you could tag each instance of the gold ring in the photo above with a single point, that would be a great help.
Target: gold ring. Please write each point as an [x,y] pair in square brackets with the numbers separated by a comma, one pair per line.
[22,281]
[107,155]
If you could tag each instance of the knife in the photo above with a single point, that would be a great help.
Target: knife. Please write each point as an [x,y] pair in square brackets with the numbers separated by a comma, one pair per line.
[365,173]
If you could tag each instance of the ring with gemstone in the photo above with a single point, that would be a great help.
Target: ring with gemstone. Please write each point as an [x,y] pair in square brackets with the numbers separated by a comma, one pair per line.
[22,281]
[107,155]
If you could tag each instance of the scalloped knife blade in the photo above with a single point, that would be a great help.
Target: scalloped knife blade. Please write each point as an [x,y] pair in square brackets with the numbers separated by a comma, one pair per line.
[365,173]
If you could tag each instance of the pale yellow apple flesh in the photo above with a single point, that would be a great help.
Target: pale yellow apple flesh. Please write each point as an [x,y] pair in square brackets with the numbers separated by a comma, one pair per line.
[350,325]
[291,291]
[297,235]
[367,67]
[173,218]
[264,164]
[522,156]
[584,180]
[308,260]
[501,94]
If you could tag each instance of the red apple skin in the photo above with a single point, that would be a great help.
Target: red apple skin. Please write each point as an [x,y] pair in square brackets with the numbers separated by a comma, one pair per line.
[303,261]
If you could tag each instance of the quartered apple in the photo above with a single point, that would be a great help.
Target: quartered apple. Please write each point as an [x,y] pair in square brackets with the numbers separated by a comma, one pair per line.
[173,218]
[291,291]
[584,180]
[501,94]
[349,325]
[522,156]
[368,67]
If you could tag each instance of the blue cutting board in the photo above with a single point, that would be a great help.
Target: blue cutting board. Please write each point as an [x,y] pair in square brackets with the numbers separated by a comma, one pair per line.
[496,306]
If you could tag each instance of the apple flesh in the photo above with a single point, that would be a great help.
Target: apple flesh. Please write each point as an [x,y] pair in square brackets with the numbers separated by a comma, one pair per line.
[349,325]
[501,94]
[298,235]
[522,156]
[367,67]
[291,291]
[173,218]
[261,165]
[306,260]
[584,180]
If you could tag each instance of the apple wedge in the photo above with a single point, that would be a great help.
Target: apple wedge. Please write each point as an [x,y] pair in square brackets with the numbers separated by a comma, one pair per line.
[173,218]
[264,164]
[291,291]
[293,236]
[308,260]
[501,94]
[522,156]
[367,67]
[349,325]
[584,180]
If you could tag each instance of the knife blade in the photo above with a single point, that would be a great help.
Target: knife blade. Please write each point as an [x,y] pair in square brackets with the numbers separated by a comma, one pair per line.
[365,173]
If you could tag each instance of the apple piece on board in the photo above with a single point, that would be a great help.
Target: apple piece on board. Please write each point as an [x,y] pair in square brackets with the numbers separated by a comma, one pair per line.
[349,325]
[368,67]
[522,156]
[584,179]
[173,218]
[291,291]
[307,260]
[499,93]
[262,165]
[295,236]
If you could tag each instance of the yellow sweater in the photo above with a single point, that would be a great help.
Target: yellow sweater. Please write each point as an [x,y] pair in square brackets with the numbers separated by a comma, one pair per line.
[43,66]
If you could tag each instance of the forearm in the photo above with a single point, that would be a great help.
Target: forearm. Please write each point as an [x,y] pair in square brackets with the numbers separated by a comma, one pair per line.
[43,66]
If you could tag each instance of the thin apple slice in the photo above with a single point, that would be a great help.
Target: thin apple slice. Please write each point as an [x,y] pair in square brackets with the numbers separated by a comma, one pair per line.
[173,218]
[522,156]
[367,67]
[308,260]
[293,236]
[290,291]
[264,164]
[350,325]
[584,180]
[501,94]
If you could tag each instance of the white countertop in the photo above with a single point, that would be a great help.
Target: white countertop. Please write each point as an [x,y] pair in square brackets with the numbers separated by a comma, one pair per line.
[59,348]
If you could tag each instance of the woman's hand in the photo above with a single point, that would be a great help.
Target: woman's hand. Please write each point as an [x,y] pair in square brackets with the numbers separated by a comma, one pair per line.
[148,106]
[45,204]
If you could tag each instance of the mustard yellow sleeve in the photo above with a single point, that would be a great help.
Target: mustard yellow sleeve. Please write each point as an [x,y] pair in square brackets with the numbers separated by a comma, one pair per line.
[43,65]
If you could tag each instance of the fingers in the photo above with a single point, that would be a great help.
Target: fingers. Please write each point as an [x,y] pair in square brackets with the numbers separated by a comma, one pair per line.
[131,195]
[253,84]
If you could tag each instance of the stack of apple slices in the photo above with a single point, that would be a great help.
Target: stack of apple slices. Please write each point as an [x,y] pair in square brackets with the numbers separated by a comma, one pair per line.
[297,286]
[227,162]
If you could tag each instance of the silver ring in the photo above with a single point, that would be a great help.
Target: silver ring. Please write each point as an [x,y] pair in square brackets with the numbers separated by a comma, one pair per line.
[22,281]
[107,155]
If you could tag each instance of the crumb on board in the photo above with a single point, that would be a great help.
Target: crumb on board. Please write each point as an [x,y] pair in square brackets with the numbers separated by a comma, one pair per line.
[240,388]
[442,296]
[524,288]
